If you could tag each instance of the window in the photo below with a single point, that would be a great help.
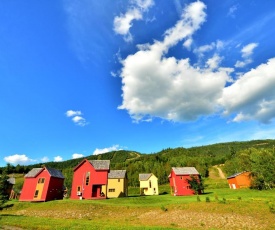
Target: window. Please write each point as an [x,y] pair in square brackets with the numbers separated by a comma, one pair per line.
[41,180]
[111,190]
[87,178]
[181,177]
[150,184]
[78,188]
[118,180]
[36,193]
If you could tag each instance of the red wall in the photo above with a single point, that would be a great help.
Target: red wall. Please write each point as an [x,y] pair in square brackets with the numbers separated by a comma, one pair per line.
[53,188]
[29,187]
[96,178]
[181,184]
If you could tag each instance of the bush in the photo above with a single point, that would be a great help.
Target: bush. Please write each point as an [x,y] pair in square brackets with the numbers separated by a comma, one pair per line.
[163,208]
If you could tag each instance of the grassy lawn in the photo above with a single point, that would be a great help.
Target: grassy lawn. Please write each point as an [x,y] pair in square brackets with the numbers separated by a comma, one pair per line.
[217,209]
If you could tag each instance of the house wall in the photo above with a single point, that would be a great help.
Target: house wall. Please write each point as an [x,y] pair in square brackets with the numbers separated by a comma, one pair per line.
[119,187]
[55,189]
[240,181]
[30,186]
[146,189]
[179,185]
[96,184]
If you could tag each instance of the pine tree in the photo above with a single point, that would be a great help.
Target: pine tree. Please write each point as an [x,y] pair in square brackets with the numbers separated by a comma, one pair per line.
[3,187]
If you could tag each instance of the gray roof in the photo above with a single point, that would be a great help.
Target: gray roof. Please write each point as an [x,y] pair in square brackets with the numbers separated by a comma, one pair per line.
[11,180]
[117,174]
[33,172]
[53,172]
[100,164]
[145,176]
[185,170]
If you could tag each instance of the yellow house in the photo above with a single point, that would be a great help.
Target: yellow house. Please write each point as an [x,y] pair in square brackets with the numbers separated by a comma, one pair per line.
[117,184]
[148,184]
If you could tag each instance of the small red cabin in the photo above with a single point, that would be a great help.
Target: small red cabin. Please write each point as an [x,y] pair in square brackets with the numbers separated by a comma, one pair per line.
[42,184]
[90,179]
[239,180]
[178,179]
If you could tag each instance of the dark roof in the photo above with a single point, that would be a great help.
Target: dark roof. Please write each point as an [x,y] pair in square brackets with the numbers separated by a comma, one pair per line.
[236,174]
[53,172]
[145,176]
[100,164]
[185,170]
[11,180]
[117,174]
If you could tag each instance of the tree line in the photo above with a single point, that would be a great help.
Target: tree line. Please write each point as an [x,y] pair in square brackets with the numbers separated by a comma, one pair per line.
[255,156]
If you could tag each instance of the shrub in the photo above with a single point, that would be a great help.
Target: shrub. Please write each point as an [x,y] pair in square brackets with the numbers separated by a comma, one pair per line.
[198,199]
[163,208]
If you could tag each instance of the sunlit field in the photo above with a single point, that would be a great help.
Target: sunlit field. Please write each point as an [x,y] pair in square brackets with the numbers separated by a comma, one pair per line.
[216,209]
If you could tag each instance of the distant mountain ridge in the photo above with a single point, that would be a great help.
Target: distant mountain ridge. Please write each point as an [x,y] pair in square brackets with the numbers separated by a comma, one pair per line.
[160,163]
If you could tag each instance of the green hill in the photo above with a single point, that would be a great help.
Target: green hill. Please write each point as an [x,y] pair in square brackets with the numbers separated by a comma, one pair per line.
[160,163]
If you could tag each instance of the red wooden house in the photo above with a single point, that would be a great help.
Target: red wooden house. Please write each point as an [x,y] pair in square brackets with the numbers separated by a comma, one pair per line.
[42,184]
[239,180]
[178,179]
[90,179]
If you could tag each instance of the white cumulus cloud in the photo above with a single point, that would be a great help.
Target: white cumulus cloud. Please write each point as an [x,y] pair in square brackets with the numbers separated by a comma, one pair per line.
[77,117]
[252,96]
[247,52]
[105,150]
[155,85]
[172,89]
[45,159]
[248,49]
[71,113]
[124,22]
[58,159]
[18,159]
[77,155]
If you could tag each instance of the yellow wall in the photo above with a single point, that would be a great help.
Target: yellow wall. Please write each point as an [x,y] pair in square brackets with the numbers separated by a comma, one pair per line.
[145,186]
[120,187]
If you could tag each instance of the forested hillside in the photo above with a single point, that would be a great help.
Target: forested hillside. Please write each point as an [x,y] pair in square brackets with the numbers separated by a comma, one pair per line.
[235,155]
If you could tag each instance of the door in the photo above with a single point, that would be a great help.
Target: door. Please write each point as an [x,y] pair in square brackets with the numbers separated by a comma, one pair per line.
[39,189]
[96,191]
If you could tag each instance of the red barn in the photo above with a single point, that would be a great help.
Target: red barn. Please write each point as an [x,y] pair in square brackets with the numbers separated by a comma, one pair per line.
[90,179]
[178,179]
[239,180]
[42,184]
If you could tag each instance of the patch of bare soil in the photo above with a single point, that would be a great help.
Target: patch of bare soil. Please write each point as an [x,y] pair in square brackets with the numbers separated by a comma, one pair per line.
[156,217]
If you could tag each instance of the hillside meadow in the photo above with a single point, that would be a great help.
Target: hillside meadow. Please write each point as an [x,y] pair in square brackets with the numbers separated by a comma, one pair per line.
[218,208]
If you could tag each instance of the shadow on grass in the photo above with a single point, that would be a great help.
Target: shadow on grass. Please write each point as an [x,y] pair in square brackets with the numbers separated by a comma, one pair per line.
[206,193]
[6,206]
[2,215]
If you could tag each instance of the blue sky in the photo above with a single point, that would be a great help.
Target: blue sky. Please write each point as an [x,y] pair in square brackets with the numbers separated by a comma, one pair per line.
[83,77]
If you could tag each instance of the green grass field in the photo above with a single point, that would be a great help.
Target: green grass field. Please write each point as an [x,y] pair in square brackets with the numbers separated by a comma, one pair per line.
[218,208]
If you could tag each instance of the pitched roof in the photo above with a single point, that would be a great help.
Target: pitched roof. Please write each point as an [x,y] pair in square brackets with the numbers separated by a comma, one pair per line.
[145,176]
[11,180]
[53,172]
[185,170]
[33,172]
[236,174]
[117,174]
[100,164]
